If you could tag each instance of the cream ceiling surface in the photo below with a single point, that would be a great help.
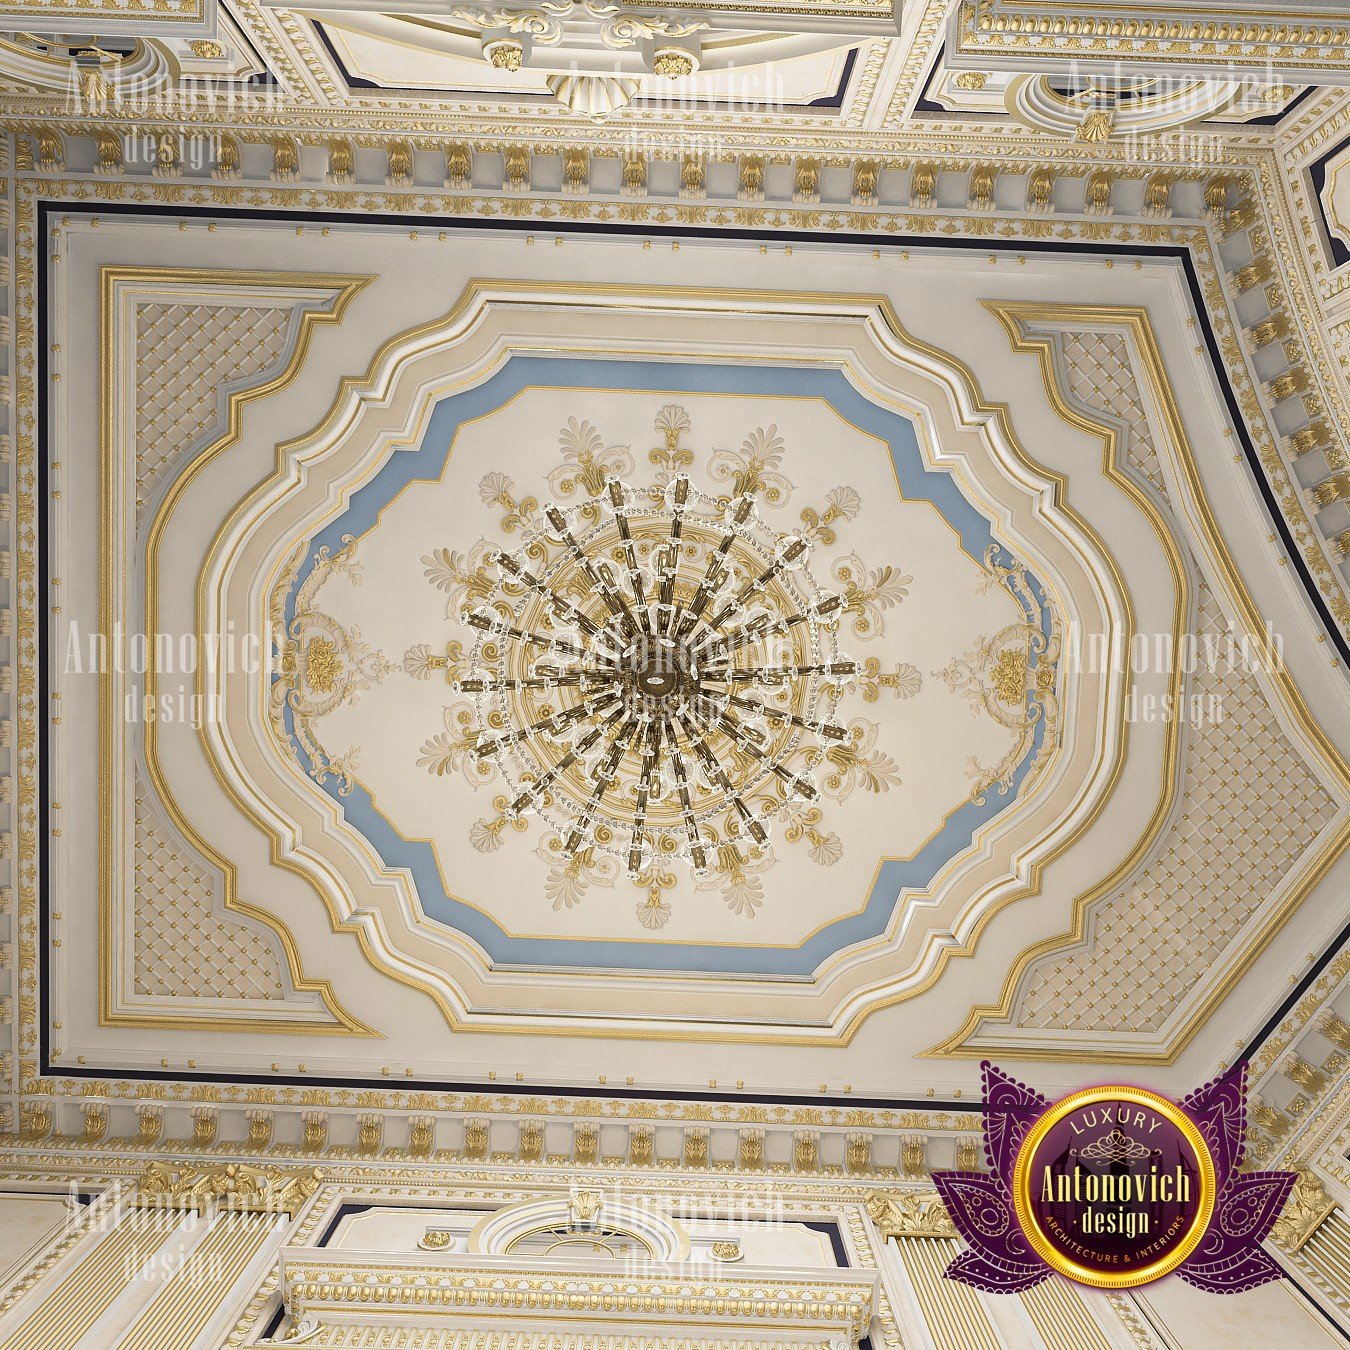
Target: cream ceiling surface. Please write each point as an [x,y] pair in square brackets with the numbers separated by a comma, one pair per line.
[633,502]
[318,317]
[995,458]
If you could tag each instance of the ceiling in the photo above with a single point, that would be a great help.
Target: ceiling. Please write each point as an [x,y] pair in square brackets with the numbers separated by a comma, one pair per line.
[1042,372]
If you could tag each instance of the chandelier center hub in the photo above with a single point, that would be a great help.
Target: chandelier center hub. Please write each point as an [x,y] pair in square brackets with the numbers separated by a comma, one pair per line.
[661,668]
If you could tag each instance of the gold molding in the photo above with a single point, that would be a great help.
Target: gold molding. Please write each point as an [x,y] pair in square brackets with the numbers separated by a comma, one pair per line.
[1130,30]
[910,1214]
[1137,324]
[236,1188]
[1305,1211]
[346,288]
[954,372]
[655,215]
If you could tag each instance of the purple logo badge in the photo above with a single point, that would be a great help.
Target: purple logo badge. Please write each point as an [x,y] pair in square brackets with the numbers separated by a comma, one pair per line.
[1114,1186]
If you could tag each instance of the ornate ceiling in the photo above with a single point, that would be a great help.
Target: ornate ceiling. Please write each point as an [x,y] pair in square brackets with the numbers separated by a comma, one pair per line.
[701,551]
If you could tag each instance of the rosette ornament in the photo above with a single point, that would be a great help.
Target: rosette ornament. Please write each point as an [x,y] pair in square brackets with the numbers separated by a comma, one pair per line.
[655,673]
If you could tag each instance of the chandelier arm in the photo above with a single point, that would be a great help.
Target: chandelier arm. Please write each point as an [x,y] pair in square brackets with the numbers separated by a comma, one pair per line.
[696,848]
[617,504]
[712,573]
[719,775]
[800,787]
[494,625]
[792,672]
[712,579]
[603,780]
[789,555]
[554,723]
[605,590]
[552,599]
[475,685]
[537,789]
[731,642]
[829,730]
[650,756]
[666,591]
[629,619]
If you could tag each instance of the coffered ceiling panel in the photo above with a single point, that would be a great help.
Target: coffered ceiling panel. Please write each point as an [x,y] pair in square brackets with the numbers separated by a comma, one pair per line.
[552,655]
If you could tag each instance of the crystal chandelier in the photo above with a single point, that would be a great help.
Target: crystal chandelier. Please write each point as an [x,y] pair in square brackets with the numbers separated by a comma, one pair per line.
[655,674]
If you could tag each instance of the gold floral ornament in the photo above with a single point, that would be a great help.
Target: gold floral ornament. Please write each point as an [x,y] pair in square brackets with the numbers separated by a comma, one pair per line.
[903,682]
[1096,126]
[672,422]
[588,462]
[585,1206]
[437,1239]
[236,1187]
[1307,1208]
[318,664]
[753,469]
[323,665]
[868,591]
[841,504]
[909,1214]
[1011,677]
[655,676]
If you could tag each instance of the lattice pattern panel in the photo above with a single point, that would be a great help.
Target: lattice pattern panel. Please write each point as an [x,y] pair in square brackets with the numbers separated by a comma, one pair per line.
[1225,853]
[183,947]
[1100,377]
[185,353]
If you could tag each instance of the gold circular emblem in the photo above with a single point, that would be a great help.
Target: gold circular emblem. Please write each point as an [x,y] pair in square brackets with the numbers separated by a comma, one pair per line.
[1114,1187]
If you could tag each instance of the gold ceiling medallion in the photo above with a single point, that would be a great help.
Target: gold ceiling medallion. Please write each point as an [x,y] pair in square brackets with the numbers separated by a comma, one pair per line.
[504,54]
[672,62]
[726,1252]
[665,685]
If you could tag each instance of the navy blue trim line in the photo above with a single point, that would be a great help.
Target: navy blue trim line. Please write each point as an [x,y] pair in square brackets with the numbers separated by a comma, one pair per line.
[1334,247]
[890,242]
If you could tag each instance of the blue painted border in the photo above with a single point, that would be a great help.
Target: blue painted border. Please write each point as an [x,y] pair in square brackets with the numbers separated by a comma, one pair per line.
[426,462]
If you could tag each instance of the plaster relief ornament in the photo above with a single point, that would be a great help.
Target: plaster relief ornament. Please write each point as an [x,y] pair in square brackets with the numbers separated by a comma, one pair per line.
[1114,1187]
[1096,109]
[578,41]
[656,674]
[651,677]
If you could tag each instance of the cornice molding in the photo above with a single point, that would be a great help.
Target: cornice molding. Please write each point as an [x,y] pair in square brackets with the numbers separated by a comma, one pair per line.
[317,1283]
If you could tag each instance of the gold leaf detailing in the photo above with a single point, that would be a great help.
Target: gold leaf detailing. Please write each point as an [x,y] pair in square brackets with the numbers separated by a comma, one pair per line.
[841,503]
[856,763]
[236,1187]
[323,665]
[910,1214]
[868,591]
[904,681]
[1304,1212]
[587,461]
[753,470]
[1096,126]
